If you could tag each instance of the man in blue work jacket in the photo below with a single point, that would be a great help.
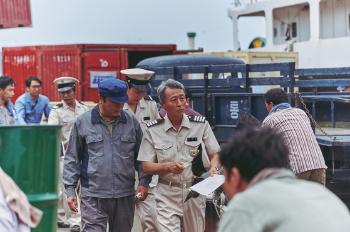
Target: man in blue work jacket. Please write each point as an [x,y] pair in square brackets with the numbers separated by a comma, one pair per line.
[102,153]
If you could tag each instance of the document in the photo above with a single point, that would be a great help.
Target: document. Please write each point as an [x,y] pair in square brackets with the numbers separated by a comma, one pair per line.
[208,185]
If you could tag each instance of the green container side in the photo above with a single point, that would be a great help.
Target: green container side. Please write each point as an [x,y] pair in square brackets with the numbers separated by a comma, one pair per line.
[30,155]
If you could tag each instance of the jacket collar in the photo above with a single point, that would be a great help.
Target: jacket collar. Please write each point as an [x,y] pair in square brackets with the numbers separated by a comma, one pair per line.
[97,119]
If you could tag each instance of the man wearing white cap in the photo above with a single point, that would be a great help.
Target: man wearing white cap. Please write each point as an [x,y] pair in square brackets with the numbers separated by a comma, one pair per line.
[65,114]
[144,108]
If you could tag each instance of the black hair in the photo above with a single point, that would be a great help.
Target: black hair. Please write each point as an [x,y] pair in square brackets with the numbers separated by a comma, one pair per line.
[246,120]
[276,96]
[188,93]
[5,81]
[30,79]
[254,149]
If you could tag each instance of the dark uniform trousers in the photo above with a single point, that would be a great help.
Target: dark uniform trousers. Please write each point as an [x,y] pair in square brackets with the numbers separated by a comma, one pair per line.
[119,212]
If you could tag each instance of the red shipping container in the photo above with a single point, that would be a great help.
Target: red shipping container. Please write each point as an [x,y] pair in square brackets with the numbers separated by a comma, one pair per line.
[88,63]
[15,13]
[45,62]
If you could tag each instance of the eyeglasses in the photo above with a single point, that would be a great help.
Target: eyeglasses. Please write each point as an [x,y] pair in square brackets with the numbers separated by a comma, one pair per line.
[35,86]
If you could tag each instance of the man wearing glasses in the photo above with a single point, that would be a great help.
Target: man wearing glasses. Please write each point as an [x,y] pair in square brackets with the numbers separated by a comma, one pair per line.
[31,105]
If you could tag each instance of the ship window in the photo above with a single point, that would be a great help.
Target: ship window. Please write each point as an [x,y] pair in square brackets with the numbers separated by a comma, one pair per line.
[292,22]
[283,29]
[294,30]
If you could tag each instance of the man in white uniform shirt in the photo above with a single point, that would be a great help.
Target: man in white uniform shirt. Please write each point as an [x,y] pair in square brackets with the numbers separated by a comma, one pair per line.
[65,114]
[144,108]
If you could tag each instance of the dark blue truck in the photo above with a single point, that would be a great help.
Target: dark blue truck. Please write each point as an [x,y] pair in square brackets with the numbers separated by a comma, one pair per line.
[222,89]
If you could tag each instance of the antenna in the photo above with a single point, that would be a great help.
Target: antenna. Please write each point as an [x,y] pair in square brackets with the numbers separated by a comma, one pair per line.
[237,3]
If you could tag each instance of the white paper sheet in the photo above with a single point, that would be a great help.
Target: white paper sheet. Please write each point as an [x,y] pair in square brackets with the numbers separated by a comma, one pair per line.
[208,185]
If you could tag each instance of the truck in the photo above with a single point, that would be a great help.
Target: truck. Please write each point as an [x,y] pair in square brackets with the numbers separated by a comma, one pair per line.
[225,91]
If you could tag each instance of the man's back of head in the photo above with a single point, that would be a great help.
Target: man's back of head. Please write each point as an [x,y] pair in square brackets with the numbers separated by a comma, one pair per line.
[253,149]
[276,96]
[5,81]
[6,89]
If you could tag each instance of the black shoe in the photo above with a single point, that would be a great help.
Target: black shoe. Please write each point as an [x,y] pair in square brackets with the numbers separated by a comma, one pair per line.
[61,224]
[75,228]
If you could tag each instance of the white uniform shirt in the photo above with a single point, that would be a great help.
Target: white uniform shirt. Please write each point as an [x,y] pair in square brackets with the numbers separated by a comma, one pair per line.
[146,111]
[162,143]
[64,115]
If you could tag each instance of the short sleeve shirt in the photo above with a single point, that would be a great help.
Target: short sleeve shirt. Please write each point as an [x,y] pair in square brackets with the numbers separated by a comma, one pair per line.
[162,143]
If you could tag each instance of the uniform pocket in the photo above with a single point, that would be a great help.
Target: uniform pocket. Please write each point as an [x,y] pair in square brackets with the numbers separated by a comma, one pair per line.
[164,152]
[95,145]
[192,149]
[128,144]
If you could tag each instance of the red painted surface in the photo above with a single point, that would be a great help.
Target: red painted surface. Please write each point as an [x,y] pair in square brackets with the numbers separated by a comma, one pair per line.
[56,62]
[98,65]
[47,63]
[86,62]
[15,13]
[19,64]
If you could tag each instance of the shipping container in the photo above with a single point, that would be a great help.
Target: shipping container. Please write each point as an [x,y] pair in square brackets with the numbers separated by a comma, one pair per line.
[15,13]
[45,62]
[89,63]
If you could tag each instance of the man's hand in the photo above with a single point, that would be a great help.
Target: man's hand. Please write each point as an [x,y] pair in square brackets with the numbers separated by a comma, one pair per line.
[176,167]
[214,164]
[213,170]
[142,192]
[73,204]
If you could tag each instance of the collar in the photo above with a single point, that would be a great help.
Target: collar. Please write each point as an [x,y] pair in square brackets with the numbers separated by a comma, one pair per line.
[10,108]
[184,123]
[97,119]
[271,173]
[28,98]
[65,106]
[142,103]
[281,106]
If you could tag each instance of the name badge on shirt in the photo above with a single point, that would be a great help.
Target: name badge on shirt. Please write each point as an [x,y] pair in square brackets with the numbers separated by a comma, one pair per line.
[191,139]
[146,118]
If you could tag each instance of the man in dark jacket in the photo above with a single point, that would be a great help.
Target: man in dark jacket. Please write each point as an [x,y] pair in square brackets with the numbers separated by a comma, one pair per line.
[102,153]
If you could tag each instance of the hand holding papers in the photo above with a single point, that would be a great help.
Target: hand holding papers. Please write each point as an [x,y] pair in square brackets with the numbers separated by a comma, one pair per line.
[208,185]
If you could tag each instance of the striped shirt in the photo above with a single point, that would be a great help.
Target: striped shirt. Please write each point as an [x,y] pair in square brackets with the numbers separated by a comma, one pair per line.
[294,125]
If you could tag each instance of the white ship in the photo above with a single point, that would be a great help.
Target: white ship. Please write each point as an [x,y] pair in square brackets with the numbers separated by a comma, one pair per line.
[319,30]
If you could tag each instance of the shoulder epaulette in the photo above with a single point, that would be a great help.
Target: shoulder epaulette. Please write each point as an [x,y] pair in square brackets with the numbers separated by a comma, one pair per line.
[59,105]
[148,98]
[196,118]
[154,122]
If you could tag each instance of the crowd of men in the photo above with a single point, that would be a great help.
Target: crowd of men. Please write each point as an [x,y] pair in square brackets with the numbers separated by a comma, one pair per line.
[274,171]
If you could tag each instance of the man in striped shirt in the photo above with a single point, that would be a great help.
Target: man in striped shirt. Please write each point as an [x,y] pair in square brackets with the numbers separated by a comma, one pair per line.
[306,159]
